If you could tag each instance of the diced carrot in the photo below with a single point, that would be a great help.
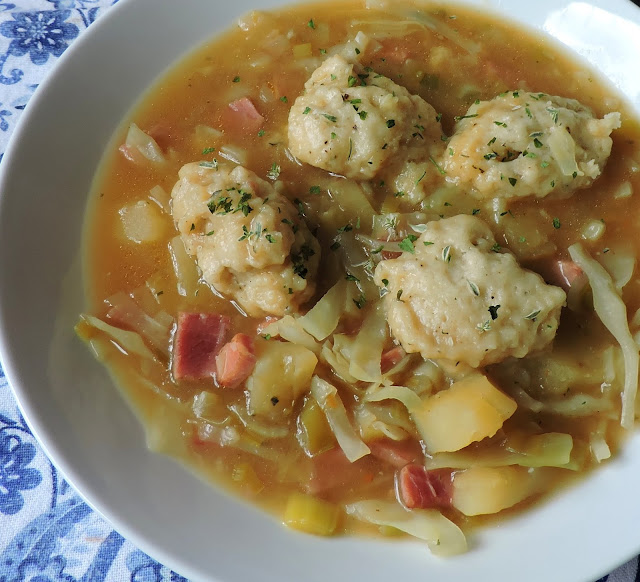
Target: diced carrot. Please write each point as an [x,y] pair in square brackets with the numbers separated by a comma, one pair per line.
[396,453]
[391,358]
[244,115]
[235,362]
[418,488]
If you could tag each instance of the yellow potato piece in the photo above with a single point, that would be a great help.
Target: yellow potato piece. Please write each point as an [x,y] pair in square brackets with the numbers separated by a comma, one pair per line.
[282,373]
[483,490]
[469,411]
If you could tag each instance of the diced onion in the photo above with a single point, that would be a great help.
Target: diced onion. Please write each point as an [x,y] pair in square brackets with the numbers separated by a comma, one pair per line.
[366,351]
[563,149]
[145,144]
[184,268]
[129,341]
[322,319]
[159,196]
[234,154]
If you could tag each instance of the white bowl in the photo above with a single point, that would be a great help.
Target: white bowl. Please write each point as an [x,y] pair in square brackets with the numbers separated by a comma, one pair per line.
[86,427]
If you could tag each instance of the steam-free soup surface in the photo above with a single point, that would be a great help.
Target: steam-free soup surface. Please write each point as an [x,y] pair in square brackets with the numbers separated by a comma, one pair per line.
[360,330]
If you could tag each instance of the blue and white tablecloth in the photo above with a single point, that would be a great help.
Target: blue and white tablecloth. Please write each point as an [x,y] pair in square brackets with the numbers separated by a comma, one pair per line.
[47,532]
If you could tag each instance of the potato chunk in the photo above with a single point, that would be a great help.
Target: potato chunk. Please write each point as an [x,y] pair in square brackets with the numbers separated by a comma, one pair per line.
[470,410]
[483,490]
[282,373]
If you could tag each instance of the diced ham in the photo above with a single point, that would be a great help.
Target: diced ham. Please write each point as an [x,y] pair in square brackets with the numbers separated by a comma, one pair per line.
[396,453]
[235,361]
[198,339]
[559,272]
[393,52]
[391,358]
[246,115]
[418,488]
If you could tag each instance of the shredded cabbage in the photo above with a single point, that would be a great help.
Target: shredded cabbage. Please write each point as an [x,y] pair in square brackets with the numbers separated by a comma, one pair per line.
[267,432]
[128,341]
[401,393]
[337,360]
[563,149]
[291,329]
[159,196]
[366,350]
[184,268]
[322,319]
[443,537]
[612,312]
[327,397]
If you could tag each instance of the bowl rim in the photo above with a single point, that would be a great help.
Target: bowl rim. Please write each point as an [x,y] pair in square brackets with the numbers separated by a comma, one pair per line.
[26,402]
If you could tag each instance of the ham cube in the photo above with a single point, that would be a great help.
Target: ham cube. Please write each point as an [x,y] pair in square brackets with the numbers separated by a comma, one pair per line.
[396,453]
[418,488]
[391,358]
[235,362]
[198,339]
[245,115]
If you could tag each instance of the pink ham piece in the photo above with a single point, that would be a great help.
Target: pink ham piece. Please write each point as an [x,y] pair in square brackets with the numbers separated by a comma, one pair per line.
[246,114]
[198,339]
[235,361]
[418,488]
[391,358]
[396,453]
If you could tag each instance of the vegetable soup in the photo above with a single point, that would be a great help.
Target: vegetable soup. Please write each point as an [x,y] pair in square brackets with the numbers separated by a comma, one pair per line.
[371,266]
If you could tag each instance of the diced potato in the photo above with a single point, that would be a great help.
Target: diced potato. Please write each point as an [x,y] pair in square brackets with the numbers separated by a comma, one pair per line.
[142,222]
[282,373]
[483,490]
[311,515]
[470,410]
[245,476]
[314,433]
[302,51]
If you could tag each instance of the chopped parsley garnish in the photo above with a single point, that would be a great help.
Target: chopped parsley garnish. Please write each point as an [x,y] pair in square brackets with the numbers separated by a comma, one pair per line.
[331,118]
[424,174]
[407,243]
[556,223]
[446,254]
[528,112]
[500,123]
[311,24]
[314,190]
[496,248]
[513,181]
[399,194]
[353,278]
[345,228]
[399,294]
[333,135]
[352,81]
[236,79]
[267,336]
[533,315]
[493,310]
[284,99]
[270,238]
[274,400]
[261,132]
[474,288]
[482,327]
[273,172]
[491,141]
[206,151]
[440,169]
[385,282]
[193,226]
[461,117]
[357,50]
[537,143]
[553,113]
[475,211]
[362,114]
[544,164]
[427,243]
[391,123]
[490,156]
[360,302]
[210,233]
[306,111]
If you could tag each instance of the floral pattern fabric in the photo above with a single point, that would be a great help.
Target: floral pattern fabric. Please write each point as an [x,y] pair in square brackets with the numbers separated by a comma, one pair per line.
[47,532]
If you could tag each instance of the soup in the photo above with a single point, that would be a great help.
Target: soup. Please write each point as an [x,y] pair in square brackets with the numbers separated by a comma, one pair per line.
[369,267]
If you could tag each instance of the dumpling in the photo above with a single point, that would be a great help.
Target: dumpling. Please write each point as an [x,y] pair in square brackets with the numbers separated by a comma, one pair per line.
[458,297]
[352,121]
[528,144]
[248,239]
